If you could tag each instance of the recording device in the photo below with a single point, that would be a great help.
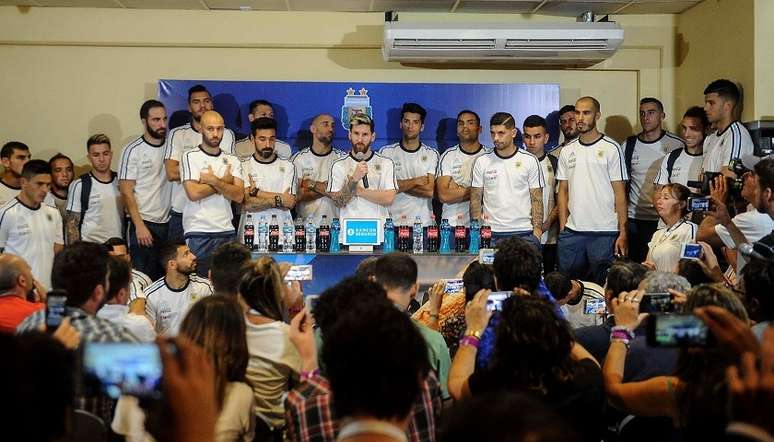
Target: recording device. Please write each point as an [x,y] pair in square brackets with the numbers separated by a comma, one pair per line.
[740,170]
[122,368]
[707,178]
[453,286]
[657,303]
[757,250]
[299,273]
[360,156]
[698,204]
[494,302]
[486,256]
[691,251]
[55,309]
[594,306]
[677,330]
[310,301]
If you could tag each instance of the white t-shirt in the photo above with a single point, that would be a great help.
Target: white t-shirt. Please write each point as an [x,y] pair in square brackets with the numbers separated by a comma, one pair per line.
[549,197]
[56,202]
[245,148]
[458,164]
[722,147]
[167,307]
[183,139]
[687,167]
[143,163]
[380,176]
[7,193]
[31,233]
[313,167]
[105,214]
[411,164]
[506,182]
[277,176]
[575,314]
[665,245]
[139,325]
[139,281]
[753,224]
[211,214]
[647,159]
[589,170]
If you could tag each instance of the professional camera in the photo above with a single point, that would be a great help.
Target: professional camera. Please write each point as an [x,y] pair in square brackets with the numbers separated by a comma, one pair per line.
[740,170]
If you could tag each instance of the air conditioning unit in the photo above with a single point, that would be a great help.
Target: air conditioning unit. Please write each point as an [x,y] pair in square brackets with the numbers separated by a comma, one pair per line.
[520,43]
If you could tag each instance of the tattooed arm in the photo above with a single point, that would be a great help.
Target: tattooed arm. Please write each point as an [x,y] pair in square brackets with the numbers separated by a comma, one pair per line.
[342,197]
[72,224]
[536,201]
[476,202]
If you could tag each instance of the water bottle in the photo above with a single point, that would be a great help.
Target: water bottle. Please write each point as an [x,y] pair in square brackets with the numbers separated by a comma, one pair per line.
[311,246]
[474,237]
[416,234]
[274,234]
[249,232]
[287,236]
[486,235]
[404,235]
[263,235]
[446,233]
[432,236]
[460,236]
[335,229]
[300,236]
[389,236]
[324,236]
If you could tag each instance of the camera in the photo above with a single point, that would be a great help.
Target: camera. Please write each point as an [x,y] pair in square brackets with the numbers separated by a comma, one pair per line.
[698,204]
[737,183]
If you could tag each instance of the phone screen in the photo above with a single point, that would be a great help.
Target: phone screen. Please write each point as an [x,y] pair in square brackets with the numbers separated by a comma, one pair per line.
[657,303]
[495,300]
[698,204]
[454,286]
[299,273]
[594,306]
[123,368]
[55,310]
[671,330]
[486,256]
[691,251]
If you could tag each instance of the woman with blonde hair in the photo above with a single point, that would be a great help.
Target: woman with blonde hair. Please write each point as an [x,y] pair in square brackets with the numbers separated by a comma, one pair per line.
[665,245]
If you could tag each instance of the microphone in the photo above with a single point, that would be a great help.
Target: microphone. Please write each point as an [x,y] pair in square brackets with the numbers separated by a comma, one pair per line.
[360,156]
[748,250]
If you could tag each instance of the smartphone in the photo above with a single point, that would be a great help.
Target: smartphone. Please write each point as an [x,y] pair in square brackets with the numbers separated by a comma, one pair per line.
[486,256]
[454,286]
[691,251]
[299,273]
[657,303]
[55,309]
[122,368]
[594,306]
[698,204]
[495,301]
[677,330]
[310,301]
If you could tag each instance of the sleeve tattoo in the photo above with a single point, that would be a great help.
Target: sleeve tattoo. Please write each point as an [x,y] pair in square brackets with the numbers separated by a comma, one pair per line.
[72,229]
[536,199]
[341,198]
[476,202]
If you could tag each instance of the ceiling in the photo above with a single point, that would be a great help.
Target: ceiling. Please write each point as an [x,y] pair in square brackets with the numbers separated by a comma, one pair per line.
[548,7]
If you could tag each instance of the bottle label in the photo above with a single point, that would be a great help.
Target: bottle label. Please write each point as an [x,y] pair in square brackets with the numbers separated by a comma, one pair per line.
[459,233]
[486,233]
[432,233]
[403,232]
[323,233]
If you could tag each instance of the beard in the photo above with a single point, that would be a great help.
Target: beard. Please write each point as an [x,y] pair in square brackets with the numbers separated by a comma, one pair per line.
[325,139]
[159,133]
[266,153]
[211,142]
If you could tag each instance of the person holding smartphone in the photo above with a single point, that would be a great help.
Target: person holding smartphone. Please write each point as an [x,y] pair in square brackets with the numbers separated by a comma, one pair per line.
[665,245]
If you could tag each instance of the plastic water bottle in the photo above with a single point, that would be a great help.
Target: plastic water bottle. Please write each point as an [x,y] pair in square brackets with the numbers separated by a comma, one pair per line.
[404,235]
[389,236]
[486,235]
[263,235]
[249,232]
[324,235]
[446,236]
[311,246]
[300,236]
[460,236]
[432,236]
[417,236]
[274,234]
[475,237]
[335,229]
[287,237]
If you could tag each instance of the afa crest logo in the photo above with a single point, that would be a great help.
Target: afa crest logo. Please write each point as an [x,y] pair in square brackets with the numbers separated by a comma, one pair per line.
[355,104]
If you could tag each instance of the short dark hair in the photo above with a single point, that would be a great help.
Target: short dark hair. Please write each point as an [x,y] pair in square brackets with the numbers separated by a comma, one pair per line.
[517,264]
[147,106]
[567,108]
[365,269]
[396,271]
[726,89]
[385,340]
[10,146]
[345,297]
[255,103]
[79,269]
[536,121]
[226,264]
[35,167]
[197,88]
[413,108]
[758,279]
[168,252]
[764,171]
[559,284]
[698,113]
[476,277]
[114,241]
[468,111]
[593,100]
[57,157]
[120,276]
[504,119]
[691,270]
[655,101]
[263,123]
[624,276]
[97,139]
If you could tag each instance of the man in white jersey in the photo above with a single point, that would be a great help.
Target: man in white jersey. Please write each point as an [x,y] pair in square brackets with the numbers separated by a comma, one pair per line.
[116,308]
[30,229]
[567,125]
[535,135]
[117,247]
[168,299]
[362,184]
[14,155]
[183,139]
[94,209]
[583,302]
[244,148]
[415,166]
[62,174]
[212,180]
[508,186]
[455,169]
[644,154]
[312,166]
[592,198]
[730,140]
[683,165]
[145,190]
[271,179]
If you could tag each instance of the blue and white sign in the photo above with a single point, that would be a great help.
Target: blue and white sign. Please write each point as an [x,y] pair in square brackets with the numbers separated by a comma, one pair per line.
[362,232]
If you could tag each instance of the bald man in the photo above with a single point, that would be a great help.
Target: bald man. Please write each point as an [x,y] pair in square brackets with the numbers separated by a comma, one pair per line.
[592,198]
[16,285]
[212,180]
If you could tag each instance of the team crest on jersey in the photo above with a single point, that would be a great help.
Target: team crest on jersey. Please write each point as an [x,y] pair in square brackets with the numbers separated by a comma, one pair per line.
[518,164]
[549,168]
[600,154]
[377,167]
[355,104]
[49,218]
[225,161]
[424,158]
[282,169]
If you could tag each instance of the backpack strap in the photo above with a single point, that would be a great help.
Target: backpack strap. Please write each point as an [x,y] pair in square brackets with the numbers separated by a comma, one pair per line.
[671,161]
[628,154]
[85,194]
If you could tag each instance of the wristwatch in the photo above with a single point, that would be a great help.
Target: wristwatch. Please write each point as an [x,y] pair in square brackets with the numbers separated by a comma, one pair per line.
[254,192]
[277,201]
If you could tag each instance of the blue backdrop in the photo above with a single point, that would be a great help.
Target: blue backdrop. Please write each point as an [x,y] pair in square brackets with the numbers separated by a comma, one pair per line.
[296,103]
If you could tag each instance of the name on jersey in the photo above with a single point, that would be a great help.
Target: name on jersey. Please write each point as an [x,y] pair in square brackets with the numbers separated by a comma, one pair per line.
[571,160]
[491,175]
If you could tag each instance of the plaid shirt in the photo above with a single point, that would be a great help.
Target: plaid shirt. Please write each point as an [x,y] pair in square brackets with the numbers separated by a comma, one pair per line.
[309,416]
